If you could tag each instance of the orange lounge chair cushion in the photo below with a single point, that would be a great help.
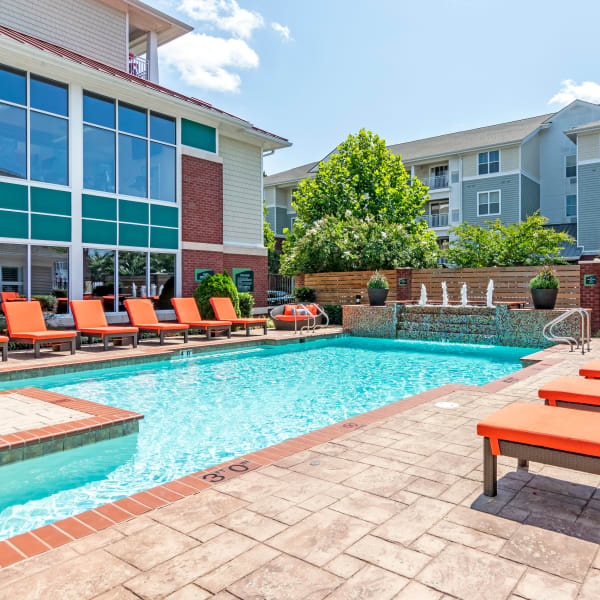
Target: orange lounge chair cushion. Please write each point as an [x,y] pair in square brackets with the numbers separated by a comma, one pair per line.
[108,330]
[224,311]
[591,369]
[188,313]
[88,314]
[248,321]
[208,324]
[293,318]
[53,334]
[162,326]
[571,389]
[291,309]
[3,339]
[550,427]
[25,321]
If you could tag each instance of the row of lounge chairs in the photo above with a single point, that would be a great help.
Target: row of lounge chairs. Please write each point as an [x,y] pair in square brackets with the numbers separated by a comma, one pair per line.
[562,433]
[26,325]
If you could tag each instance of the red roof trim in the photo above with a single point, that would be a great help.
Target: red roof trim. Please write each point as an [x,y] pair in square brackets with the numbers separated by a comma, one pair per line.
[104,68]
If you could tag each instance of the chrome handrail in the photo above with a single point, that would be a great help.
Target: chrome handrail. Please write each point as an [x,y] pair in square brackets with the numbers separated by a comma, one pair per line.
[586,335]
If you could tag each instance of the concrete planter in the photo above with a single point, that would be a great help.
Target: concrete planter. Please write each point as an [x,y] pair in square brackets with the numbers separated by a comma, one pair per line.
[377,296]
[544,299]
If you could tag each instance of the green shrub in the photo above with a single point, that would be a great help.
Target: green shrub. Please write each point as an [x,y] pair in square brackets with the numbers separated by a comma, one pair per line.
[59,293]
[48,303]
[215,286]
[378,281]
[305,294]
[546,279]
[334,312]
[246,304]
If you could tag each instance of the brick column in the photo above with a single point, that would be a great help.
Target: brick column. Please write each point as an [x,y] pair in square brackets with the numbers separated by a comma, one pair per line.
[258,264]
[590,294]
[198,259]
[403,291]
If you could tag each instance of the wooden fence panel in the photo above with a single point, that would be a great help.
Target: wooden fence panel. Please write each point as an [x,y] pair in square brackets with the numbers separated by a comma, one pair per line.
[342,288]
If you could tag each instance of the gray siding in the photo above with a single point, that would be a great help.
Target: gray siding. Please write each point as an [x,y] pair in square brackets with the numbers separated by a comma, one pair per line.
[283,220]
[588,207]
[509,203]
[271,217]
[530,197]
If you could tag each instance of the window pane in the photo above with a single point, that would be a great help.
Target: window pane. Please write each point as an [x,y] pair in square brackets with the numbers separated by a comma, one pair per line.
[571,208]
[49,148]
[162,128]
[50,277]
[13,267]
[49,96]
[13,144]
[162,279]
[132,119]
[99,276]
[98,159]
[571,160]
[495,197]
[483,157]
[483,198]
[483,169]
[494,156]
[162,172]
[571,171]
[133,166]
[13,86]
[494,209]
[132,275]
[98,110]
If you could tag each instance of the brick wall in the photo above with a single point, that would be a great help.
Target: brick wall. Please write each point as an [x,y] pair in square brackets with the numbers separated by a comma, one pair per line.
[259,265]
[403,291]
[590,294]
[202,200]
[198,259]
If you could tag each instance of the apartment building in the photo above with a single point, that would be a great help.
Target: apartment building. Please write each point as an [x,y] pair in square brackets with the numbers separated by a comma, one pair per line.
[112,186]
[549,163]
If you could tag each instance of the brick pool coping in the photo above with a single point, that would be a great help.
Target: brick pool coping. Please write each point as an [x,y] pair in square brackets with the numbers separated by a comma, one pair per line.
[104,422]
[56,534]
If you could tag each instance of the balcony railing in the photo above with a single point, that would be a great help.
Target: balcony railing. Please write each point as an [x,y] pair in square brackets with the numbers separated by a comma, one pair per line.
[435,182]
[138,66]
[438,220]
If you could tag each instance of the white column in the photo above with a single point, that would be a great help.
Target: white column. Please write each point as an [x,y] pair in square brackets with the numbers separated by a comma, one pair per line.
[152,56]
[76,170]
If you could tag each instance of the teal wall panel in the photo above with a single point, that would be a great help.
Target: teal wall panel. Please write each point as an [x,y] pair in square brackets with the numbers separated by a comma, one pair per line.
[54,202]
[133,212]
[99,207]
[198,135]
[133,235]
[48,227]
[13,196]
[14,224]
[166,216]
[161,237]
[99,232]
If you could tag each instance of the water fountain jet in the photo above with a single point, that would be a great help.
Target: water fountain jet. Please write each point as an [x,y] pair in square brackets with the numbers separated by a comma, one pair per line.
[489,295]
[423,297]
[463,295]
[444,294]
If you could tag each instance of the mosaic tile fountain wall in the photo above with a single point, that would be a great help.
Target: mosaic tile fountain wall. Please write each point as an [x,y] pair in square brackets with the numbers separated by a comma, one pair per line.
[466,324]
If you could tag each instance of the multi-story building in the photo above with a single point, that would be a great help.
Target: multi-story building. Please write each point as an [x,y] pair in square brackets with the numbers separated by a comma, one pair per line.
[549,163]
[111,185]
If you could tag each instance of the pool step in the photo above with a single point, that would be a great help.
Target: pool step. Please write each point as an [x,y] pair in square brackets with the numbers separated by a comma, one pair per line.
[446,336]
[475,320]
[447,327]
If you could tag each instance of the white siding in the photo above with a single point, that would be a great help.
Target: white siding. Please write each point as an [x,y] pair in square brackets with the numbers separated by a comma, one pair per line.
[509,159]
[588,145]
[242,212]
[89,27]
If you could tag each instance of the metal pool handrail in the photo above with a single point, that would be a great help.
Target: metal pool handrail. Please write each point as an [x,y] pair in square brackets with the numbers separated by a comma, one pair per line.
[585,329]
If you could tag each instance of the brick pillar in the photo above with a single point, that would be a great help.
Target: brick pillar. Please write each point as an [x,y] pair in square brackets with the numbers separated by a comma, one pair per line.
[258,264]
[590,294]
[198,259]
[403,291]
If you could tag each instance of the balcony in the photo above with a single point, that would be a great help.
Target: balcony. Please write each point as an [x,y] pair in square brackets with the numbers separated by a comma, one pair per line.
[435,182]
[138,66]
[437,220]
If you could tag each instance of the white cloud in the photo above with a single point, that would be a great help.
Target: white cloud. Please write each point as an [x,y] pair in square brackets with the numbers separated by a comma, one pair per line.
[224,14]
[570,90]
[205,61]
[283,30]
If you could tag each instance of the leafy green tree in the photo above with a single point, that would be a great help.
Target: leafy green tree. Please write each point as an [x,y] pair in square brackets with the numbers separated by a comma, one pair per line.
[358,244]
[493,244]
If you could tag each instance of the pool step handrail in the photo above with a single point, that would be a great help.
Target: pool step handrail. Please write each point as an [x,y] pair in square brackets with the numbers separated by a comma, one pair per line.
[586,327]
[314,317]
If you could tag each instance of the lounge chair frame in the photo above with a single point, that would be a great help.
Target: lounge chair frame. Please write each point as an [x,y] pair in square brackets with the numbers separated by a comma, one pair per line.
[525,453]
[4,346]
[163,332]
[215,329]
[37,344]
[108,337]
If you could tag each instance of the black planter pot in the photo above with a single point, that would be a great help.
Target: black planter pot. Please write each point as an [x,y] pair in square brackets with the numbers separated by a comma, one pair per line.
[544,299]
[377,296]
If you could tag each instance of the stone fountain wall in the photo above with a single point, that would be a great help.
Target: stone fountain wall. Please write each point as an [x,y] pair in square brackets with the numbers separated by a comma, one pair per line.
[464,324]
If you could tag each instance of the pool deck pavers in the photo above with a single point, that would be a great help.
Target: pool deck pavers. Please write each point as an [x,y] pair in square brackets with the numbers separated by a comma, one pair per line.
[386,506]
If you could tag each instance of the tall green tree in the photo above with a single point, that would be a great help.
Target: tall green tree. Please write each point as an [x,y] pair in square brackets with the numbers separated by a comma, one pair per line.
[494,244]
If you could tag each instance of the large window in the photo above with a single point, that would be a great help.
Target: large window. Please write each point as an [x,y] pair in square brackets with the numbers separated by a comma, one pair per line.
[162,279]
[571,165]
[137,144]
[99,276]
[571,205]
[46,109]
[13,268]
[488,203]
[489,162]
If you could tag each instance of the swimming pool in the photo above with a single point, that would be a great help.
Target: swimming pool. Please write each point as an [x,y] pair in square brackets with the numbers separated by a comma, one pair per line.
[213,407]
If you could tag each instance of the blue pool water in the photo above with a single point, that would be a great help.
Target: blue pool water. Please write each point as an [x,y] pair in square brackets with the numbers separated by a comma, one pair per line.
[202,411]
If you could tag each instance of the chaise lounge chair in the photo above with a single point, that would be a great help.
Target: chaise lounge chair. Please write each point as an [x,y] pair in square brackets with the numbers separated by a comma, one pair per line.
[224,311]
[187,313]
[25,323]
[572,392]
[11,297]
[142,315]
[90,320]
[591,370]
[553,436]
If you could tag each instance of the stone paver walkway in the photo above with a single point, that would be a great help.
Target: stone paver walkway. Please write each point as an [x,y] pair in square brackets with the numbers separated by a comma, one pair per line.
[19,413]
[390,511]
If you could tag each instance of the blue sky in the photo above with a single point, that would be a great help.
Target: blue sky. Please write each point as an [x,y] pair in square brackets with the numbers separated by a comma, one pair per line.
[315,71]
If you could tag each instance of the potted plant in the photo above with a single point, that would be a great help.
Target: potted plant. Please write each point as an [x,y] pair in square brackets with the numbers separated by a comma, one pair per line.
[378,288]
[544,289]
